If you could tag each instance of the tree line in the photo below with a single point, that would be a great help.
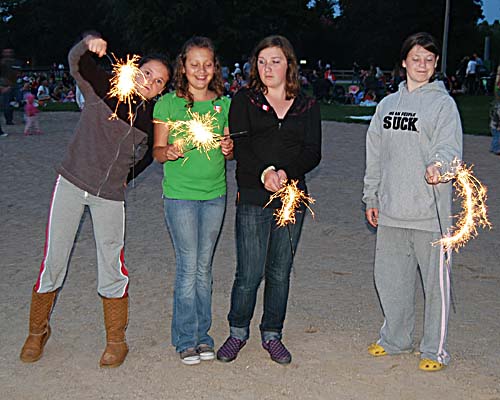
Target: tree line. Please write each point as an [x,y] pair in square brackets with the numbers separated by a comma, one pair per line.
[335,31]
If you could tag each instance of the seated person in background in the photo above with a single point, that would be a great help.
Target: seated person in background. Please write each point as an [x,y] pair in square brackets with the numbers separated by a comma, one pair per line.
[369,100]
[237,84]
[59,92]
[43,93]
[329,75]
[70,96]
[351,94]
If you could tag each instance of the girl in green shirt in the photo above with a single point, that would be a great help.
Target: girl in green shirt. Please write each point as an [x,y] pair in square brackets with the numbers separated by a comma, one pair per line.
[194,192]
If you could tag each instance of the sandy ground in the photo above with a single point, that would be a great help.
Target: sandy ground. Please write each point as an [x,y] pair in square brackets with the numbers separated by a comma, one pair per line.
[333,311]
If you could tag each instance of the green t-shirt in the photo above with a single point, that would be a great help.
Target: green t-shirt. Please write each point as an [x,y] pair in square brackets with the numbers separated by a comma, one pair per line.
[199,175]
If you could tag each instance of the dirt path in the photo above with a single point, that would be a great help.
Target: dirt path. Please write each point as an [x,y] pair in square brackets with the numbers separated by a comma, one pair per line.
[333,311]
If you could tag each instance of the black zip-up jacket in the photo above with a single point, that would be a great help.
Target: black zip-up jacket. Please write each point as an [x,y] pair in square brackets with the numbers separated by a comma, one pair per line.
[103,151]
[292,143]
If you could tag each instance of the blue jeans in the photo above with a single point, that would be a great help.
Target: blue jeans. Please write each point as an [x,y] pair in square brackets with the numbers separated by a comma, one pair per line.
[194,226]
[264,252]
[495,141]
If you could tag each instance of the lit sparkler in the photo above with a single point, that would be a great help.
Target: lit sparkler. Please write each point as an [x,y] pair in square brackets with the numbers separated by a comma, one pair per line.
[474,210]
[291,198]
[198,132]
[124,83]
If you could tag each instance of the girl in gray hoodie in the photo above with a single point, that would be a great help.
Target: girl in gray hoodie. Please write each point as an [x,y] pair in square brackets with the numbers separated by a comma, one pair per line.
[414,136]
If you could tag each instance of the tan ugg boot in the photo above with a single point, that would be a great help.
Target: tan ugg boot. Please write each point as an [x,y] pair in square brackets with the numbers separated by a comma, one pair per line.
[115,320]
[39,330]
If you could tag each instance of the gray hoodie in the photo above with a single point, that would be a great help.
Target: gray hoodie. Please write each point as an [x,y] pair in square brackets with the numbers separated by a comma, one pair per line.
[408,132]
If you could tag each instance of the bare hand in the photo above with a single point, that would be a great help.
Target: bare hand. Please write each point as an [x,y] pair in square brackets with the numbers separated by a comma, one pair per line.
[274,180]
[372,216]
[172,152]
[96,45]
[433,174]
[226,145]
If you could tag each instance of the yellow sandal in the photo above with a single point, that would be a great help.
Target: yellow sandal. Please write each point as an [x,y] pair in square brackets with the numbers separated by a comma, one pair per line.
[430,365]
[376,350]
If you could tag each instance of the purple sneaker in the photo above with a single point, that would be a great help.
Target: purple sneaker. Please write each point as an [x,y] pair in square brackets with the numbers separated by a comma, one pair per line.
[277,351]
[230,349]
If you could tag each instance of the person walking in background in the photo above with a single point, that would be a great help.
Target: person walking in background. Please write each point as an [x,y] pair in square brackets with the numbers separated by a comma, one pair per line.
[412,140]
[94,173]
[8,76]
[471,76]
[284,142]
[30,116]
[194,192]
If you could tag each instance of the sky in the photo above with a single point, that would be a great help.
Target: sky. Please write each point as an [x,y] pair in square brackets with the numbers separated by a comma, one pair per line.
[491,10]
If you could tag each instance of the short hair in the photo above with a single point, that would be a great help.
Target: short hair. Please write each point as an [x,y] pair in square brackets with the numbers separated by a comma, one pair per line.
[424,39]
[292,86]
[181,82]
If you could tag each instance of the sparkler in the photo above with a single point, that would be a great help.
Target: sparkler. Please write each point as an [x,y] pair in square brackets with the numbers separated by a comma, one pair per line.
[291,198]
[474,210]
[124,83]
[198,132]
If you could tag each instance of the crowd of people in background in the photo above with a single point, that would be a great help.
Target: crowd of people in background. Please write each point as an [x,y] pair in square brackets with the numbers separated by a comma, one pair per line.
[362,85]
[366,86]
[45,87]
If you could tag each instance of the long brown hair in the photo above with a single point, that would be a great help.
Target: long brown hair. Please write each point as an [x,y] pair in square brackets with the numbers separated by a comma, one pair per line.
[181,83]
[292,85]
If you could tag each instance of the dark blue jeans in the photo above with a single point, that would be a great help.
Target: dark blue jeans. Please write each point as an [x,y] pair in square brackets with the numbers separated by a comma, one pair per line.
[263,252]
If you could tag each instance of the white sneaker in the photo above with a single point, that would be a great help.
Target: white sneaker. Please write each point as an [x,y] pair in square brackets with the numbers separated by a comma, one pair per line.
[206,352]
[190,356]
[3,134]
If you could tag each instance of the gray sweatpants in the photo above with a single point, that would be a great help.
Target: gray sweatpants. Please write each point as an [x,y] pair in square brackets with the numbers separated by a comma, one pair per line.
[399,253]
[108,219]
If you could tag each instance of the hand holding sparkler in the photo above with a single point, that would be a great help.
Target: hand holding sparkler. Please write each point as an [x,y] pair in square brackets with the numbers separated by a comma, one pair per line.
[123,82]
[274,180]
[162,150]
[226,145]
[96,45]
[433,174]
[173,151]
[474,210]
[291,198]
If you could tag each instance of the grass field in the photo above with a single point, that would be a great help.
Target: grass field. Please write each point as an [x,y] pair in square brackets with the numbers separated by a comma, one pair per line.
[474,111]
[60,107]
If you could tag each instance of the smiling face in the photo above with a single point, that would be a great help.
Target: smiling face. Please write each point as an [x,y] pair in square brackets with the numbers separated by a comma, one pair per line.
[153,79]
[272,66]
[199,68]
[420,66]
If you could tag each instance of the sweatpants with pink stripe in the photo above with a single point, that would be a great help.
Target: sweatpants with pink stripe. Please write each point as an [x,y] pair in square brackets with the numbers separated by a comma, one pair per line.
[400,253]
[108,219]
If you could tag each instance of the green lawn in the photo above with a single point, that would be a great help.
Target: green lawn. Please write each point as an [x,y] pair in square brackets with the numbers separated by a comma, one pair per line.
[474,111]
[59,107]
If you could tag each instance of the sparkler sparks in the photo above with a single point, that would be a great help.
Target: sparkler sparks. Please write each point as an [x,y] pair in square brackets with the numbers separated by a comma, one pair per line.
[474,210]
[198,132]
[124,83]
[291,198]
